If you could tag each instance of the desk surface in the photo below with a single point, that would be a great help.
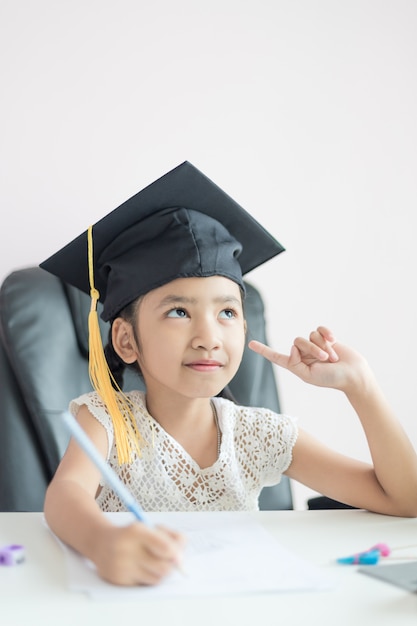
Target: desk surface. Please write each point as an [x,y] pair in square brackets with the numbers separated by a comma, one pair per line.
[36,592]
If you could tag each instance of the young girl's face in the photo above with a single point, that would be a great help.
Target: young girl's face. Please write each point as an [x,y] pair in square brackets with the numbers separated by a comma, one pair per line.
[191,333]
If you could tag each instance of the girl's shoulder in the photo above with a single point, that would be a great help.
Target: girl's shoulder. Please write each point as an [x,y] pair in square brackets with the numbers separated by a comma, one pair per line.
[96,405]
[98,409]
[260,438]
[239,416]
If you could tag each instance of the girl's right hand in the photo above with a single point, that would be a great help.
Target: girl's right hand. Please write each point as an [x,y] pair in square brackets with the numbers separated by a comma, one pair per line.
[137,554]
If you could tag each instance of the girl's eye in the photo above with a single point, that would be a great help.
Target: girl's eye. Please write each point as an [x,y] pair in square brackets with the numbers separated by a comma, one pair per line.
[177,313]
[228,314]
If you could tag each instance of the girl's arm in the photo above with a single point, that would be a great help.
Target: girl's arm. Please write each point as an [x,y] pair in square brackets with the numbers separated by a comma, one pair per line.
[128,555]
[387,486]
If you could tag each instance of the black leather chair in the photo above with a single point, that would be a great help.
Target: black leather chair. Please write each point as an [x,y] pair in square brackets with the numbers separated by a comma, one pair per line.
[44,364]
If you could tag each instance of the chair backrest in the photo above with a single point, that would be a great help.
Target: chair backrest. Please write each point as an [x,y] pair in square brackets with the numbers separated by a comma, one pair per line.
[44,364]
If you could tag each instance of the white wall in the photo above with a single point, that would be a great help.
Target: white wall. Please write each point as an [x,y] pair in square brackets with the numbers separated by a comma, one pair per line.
[304,111]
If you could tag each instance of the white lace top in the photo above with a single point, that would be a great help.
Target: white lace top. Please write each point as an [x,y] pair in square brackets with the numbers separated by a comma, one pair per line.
[256,448]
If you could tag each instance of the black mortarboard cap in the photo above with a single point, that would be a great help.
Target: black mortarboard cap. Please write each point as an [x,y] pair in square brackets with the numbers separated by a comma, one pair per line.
[181,225]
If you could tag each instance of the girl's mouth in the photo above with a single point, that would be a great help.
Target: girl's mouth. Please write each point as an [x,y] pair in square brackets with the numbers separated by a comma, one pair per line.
[205,365]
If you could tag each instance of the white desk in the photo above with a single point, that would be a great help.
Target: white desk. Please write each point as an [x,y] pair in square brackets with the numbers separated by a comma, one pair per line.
[35,592]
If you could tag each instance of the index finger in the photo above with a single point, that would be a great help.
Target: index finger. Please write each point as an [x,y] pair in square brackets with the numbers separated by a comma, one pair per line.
[268,353]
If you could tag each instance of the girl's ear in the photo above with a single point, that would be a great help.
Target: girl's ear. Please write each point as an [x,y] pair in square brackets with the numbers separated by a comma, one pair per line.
[123,340]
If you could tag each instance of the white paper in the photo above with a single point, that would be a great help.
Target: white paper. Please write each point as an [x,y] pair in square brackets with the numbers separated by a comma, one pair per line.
[226,553]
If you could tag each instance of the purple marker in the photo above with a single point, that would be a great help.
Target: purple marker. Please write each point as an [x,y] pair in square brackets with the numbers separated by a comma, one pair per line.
[12,555]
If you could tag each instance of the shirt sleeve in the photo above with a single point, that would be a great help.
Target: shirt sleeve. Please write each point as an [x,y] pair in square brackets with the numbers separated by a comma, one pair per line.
[274,436]
[97,409]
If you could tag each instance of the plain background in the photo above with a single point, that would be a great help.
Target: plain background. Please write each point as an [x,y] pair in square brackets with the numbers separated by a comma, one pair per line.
[303,111]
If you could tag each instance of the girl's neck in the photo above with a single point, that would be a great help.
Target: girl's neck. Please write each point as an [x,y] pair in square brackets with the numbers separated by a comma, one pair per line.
[192,424]
[184,412]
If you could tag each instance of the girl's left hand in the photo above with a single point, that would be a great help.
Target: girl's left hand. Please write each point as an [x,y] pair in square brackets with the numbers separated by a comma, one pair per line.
[319,360]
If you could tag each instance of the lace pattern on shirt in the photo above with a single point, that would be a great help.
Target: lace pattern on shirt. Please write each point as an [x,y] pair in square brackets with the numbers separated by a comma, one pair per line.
[256,449]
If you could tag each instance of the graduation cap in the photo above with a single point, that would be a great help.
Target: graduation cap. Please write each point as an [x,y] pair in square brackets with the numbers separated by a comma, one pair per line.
[182,225]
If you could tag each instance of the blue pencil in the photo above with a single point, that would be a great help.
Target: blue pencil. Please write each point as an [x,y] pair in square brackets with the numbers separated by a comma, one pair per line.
[107,472]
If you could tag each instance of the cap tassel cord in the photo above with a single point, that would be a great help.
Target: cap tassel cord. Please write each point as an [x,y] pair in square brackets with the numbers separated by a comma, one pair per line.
[118,405]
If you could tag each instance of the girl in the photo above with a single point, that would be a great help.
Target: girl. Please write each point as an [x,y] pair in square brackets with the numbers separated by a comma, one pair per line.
[167,266]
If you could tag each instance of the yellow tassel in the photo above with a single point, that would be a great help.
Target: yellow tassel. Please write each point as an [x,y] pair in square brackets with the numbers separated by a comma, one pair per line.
[117,403]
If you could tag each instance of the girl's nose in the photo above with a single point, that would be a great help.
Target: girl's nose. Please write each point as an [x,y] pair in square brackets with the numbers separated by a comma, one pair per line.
[206,337]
